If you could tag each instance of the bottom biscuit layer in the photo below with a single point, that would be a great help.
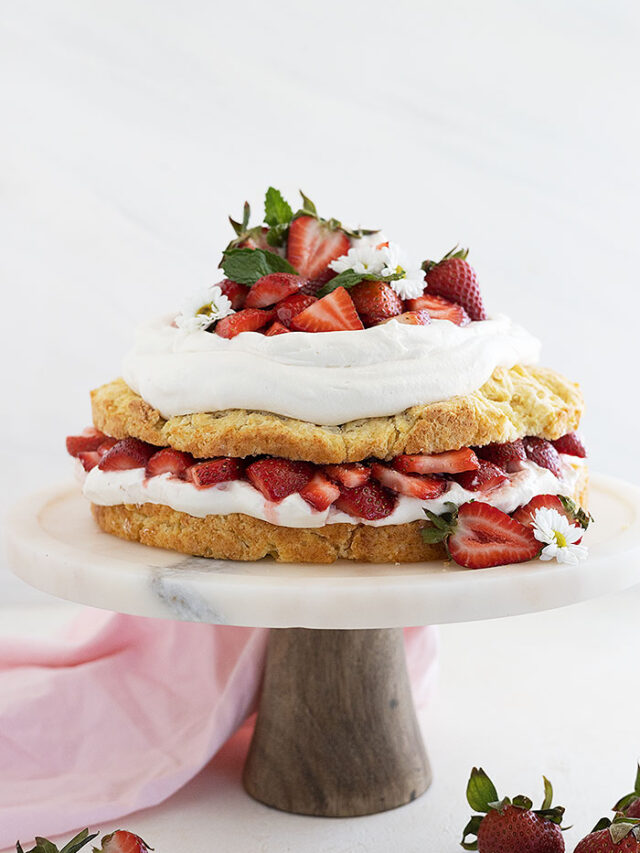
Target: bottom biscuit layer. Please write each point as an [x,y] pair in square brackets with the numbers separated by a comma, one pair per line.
[240,537]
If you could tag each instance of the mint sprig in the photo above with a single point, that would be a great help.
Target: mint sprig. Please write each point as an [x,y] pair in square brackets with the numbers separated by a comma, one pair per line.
[246,266]
[277,215]
[349,278]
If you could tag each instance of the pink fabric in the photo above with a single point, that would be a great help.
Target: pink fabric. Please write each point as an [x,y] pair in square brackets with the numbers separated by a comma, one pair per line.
[121,711]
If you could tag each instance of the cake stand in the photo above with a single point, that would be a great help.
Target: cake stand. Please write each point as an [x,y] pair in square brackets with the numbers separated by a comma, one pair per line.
[336,733]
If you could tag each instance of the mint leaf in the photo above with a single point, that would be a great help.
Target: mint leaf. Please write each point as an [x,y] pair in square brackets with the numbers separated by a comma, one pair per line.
[349,278]
[276,210]
[246,266]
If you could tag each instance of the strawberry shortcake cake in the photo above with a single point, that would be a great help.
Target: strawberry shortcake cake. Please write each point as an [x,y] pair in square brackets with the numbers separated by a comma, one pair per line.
[329,399]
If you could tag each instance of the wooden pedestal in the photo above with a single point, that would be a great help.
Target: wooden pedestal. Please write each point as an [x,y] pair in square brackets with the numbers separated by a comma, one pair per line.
[336,734]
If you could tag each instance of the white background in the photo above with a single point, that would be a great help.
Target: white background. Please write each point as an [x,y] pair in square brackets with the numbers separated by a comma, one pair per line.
[130,130]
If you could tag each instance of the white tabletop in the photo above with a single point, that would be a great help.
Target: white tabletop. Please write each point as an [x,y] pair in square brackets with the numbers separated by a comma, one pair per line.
[545,693]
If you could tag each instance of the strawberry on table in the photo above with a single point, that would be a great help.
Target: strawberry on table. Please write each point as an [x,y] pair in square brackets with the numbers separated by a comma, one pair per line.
[509,455]
[125,454]
[349,474]
[248,320]
[571,444]
[478,535]
[273,288]
[209,473]
[276,329]
[439,309]
[565,506]
[449,462]
[455,279]
[622,835]
[89,440]
[122,841]
[511,825]
[543,453]
[168,461]
[313,244]
[485,477]
[320,492]
[292,306]
[333,313]
[413,485]
[370,501]
[277,478]
[375,301]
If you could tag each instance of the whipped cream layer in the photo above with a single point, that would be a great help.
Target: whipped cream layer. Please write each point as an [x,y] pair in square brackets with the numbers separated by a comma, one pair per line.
[110,488]
[327,378]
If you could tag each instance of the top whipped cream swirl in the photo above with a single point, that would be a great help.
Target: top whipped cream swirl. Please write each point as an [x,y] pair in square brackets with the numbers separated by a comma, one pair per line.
[328,378]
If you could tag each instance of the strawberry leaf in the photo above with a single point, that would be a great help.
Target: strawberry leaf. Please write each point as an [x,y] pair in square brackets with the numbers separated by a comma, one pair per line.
[471,829]
[441,527]
[522,802]
[79,841]
[308,207]
[584,519]
[276,210]
[246,266]
[548,794]
[481,791]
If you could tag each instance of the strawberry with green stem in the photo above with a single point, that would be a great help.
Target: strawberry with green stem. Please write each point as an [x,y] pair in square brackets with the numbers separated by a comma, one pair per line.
[511,825]
[455,279]
[620,835]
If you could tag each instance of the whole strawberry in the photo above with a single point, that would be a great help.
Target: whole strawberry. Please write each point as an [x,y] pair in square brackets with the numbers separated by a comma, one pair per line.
[511,826]
[45,846]
[622,835]
[122,841]
[455,279]
[629,805]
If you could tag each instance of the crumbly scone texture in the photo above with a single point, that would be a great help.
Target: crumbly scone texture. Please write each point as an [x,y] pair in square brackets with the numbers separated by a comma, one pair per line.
[515,402]
[240,537]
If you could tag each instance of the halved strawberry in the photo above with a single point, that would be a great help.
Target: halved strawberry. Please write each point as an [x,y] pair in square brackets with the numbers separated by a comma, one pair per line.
[486,477]
[439,309]
[571,444]
[106,445]
[313,244]
[413,318]
[565,506]
[425,488]
[278,478]
[320,492]
[248,320]
[454,278]
[370,501]
[273,288]
[375,301]
[89,459]
[90,440]
[449,462]
[485,536]
[125,454]
[543,453]
[122,841]
[314,284]
[350,474]
[235,293]
[292,306]
[509,456]
[276,329]
[206,474]
[168,461]
[333,313]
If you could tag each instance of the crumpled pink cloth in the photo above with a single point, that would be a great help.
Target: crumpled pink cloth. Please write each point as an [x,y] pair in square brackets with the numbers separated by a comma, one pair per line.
[120,711]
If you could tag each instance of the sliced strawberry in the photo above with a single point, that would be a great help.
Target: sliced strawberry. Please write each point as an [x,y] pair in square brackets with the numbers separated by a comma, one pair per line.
[106,445]
[413,318]
[276,329]
[314,285]
[125,454]
[248,320]
[203,475]
[122,841]
[375,301]
[425,488]
[350,475]
[90,440]
[168,461]
[525,514]
[508,456]
[292,306]
[455,279]
[333,313]
[571,444]
[320,492]
[485,536]
[313,244]
[543,453]
[449,462]
[89,458]
[370,501]
[487,476]
[235,293]
[278,478]
[439,309]
[273,288]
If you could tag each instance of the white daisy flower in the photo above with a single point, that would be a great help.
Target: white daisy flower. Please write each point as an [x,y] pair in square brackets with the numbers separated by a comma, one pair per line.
[363,258]
[203,308]
[411,286]
[560,537]
[383,260]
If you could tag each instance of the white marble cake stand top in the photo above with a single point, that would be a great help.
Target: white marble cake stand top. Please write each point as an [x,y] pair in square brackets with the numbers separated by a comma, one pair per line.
[54,544]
